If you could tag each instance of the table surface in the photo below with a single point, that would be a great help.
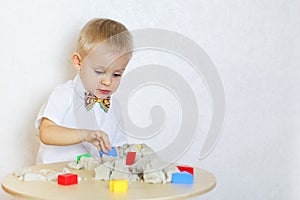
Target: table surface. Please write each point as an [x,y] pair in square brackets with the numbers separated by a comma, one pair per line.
[90,189]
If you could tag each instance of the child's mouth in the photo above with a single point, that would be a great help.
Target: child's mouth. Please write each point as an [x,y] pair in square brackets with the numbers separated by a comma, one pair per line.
[104,91]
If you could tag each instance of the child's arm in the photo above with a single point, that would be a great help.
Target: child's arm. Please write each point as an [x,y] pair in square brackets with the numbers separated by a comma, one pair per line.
[52,134]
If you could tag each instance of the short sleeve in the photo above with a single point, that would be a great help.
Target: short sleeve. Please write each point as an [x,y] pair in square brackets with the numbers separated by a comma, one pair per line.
[56,107]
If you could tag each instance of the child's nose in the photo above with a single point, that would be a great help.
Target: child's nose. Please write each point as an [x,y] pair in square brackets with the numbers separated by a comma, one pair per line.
[105,80]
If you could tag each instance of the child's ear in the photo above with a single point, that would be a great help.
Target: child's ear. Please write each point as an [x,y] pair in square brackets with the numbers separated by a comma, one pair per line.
[76,61]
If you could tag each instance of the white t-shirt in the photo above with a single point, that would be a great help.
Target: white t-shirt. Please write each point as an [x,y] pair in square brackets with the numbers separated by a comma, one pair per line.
[66,107]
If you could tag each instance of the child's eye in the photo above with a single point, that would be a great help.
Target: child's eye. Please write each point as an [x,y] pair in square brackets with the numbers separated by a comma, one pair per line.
[117,74]
[98,72]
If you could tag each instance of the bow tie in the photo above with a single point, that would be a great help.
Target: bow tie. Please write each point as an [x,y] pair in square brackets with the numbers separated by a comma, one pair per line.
[91,99]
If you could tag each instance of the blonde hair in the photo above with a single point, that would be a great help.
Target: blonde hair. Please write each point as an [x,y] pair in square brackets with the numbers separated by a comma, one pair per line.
[113,34]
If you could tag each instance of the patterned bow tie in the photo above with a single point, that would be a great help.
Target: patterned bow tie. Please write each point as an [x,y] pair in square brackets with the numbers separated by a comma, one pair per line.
[91,99]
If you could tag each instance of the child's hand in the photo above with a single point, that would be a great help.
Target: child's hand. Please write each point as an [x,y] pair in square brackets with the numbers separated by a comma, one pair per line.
[99,139]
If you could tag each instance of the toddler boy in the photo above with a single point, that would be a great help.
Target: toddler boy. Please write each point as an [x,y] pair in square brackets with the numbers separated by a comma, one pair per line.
[78,117]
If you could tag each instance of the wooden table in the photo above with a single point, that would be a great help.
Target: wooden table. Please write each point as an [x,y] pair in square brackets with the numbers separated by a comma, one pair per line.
[89,189]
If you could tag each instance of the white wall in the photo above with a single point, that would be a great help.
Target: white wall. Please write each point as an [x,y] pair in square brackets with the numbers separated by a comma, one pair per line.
[255,46]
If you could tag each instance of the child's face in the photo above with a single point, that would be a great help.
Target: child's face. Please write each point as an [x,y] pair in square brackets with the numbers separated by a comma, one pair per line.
[101,72]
